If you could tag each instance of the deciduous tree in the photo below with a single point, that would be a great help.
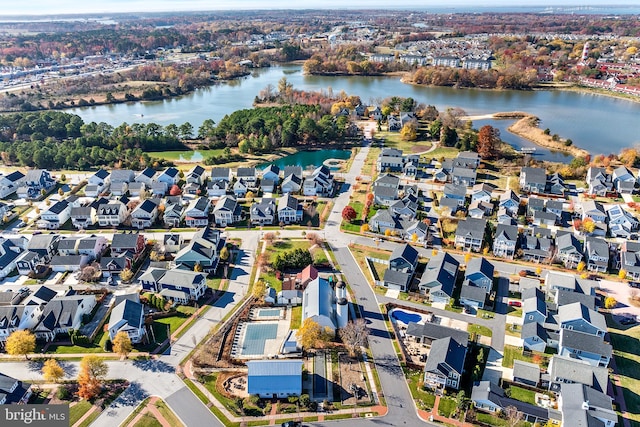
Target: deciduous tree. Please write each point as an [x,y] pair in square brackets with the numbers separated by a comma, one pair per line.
[126,275]
[51,371]
[122,344]
[488,140]
[309,333]
[349,214]
[354,335]
[92,372]
[610,302]
[21,342]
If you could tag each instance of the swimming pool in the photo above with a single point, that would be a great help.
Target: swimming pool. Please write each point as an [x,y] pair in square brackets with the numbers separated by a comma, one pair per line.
[405,317]
[269,312]
[256,334]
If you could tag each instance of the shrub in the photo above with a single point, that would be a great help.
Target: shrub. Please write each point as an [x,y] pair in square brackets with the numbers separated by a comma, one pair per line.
[63,392]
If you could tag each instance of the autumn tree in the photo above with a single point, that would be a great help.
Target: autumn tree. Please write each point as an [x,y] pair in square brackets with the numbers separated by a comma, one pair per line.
[175,190]
[580,267]
[197,267]
[409,132]
[259,289]
[126,275]
[52,372]
[92,372]
[20,342]
[349,214]
[622,274]
[488,140]
[224,254]
[588,225]
[122,344]
[354,335]
[309,333]
[610,302]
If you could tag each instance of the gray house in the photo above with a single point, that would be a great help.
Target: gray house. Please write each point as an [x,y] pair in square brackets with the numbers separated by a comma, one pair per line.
[470,234]
[505,241]
[445,364]
[439,278]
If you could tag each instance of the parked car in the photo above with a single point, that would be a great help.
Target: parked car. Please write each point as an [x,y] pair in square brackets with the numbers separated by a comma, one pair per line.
[515,303]
[20,224]
[292,424]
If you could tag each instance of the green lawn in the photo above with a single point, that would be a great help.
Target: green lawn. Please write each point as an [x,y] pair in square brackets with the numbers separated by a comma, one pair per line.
[186,155]
[361,252]
[523,394]
[279,246]
[90,419]
[148,420]
[446,407]
[627,356]
[512,353]
[446,152]
[423,399]
[296,317]
[480,330]
[78,410]
[394,140]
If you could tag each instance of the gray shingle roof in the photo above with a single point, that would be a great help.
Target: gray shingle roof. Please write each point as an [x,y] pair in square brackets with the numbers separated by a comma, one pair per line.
[472,227]
[527,371]
[578,371]
[579,311]
[446,351]
[585,342]
[433,331]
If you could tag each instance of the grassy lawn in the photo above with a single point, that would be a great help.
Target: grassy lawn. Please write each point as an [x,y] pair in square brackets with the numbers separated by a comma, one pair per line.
[168,413]
[627,356]
[446,152]
[446,407]
[369,167]
[480,330]
[512,353]
[423,399]
[185,155]
[394,140]
[360,253]
[285,245]
[78,410]
[523,395]
[147,420]
[296,317]
[90,419]
[210,384]
[97,346]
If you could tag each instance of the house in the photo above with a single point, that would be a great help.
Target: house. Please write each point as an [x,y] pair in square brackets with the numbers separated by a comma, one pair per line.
[417,231]
[227,211]
[480,209]
[264,212]
[221,174]
[534,337]
[240,188]
[439,278]
[100,179]
[543,218]
[203,249]
[533,180]
[586,347]
[13,391]
[470,234]
[197,212]
[621,222]
[122,175]
[472,297]
[145,214]
[555,184]
[578,317]
[291,183]
[406,208]
[308,274]
[61,314]
[386,189]
[376,114]
[10,252]
[217,187]
[45,245]
[479,273]
[505,217]
[84,217]
[566,370]
[455,192]
[195,175]
[526,373]
[489,397]
[128,242]
[482,193]
[536,247]
[172,242]
[391,159]
[505,241]
[112,214]
[427,333]
[581,405]
[623,180]
[267,186]
[630,259]
[596,252]
[127,317]
[146,177]
[569,250]
[271,172]
[137,189]
[174,213]
[319,183]
[119,188]
[318,303]
[556,207]
[384,220]
[9,183]
[402,265]
[110,266]
[289,210]
[27,262]
[61,263]
[271,379]
[55,217]
[440,175]
[92,246]
[556,281]
[170,176]
[445,364]
[510,201]
[463,176]
[534,204]
[593,210]
[467,159]
[179,285]
[34,182]
[534,306]
[249,176]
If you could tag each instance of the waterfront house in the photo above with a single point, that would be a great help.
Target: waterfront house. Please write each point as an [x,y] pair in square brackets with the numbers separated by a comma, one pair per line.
[271,172]
[249,176]
[624,180]
[621,222]
[122,175]
[291,183]
[146,177]
[533,180]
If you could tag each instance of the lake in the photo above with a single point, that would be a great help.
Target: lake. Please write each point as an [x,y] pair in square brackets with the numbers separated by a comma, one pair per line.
[597,123]
[306,159]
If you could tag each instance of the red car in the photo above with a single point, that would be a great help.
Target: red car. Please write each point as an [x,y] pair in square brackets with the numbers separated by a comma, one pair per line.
[515,303]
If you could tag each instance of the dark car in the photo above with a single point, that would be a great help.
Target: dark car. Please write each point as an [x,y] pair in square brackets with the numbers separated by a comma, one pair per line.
[292,424]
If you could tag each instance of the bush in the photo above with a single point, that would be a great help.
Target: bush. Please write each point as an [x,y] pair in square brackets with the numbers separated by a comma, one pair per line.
[108,345]
[63,392]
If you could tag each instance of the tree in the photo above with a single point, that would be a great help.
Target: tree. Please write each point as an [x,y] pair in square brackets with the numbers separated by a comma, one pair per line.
[259,288]
[224,254]
[467,258]
[580,267]
[409,132]
[126,275]
[364,228]
[52,371]
[186,130]
[610,302]
[92,372]
[309,333]
[622,274]
[349,214]
[122,344]
[175,190]
[197,267]
[60,192]
[354,335]
[21,342]
[512,415]
[588,225]
[488,139]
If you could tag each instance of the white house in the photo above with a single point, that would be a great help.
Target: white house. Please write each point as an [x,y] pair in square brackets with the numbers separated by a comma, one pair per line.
[128,317]
[54,217]
[144,215]
[197,213]
[289,210]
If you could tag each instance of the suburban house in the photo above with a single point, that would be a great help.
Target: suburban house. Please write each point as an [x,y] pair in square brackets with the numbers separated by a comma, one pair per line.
[159,189]
[195,175]
[110,266]
[45,245]
[173,213]
[112,214]
[54,217]
[197,212]
[34,182]
[630,259]
[83,217]
[9,183]
[566,370]
[556,281]
[203,249]
[291,183]
[482,193]
[623,180]
[145,214]
[318,303]
[596,252]
[490,397]
[240,188]
[510,201]
[386,189]
[61,314]
[100,179]
[146,177]
[470,234]
[289,210]
[581,405]
[463,176]
[263,212]
[248,176]
[480,209]
[593,210]
[227,211]
[569,250]
[429,332]
[445,363]
[505,241]
[578,317]
[134,243]
[534,337]
[271,172]
[122,175]
[402,265]
[178,285]
[170,176]
[479,273]
[319,183]
[272,379]
[585,347]
[62,263]
[439,278]
[455,192]
[172,242]
[526,373]
[221,174]
[533,180]
[217,187]
[128,317]
[13,391]
[534,306]
[621,222]
[10,251]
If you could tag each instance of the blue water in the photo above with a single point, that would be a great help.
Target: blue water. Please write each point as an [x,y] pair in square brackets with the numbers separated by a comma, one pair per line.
[311,159]
[255,337]
[405,317]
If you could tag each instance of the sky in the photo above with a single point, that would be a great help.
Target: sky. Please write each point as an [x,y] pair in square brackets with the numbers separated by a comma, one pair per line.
[43,7]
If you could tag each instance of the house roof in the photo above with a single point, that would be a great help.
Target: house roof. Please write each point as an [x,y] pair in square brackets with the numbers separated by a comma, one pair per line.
[442,270]
[527,371]
[308,273]
[246,172]
[64,260]
[585,406]
[406,252]
[454,190]
[265,208]
[15,176]
[271,168]
[275,368]
[220,173]
[318,300]
[42,241]
[397,278]
[127,312]
[101,173]
[122,175]
[585,342]
[472,227]
[388,180]
[577,310]
[58,207]
[507,232]
[288,201]
[67,243]
[197,170]
[533,329]
[567,297]
[147,206]
[535,203]
[480,264]
[534,175]
[433,331]
[568,241]
[293,170]
[120,262]
[60,312]
[597,247]
[110,208]
[578,371]
[226,202]
[473,293]
[171,172]
[445,353]
[180,277]
[125,240]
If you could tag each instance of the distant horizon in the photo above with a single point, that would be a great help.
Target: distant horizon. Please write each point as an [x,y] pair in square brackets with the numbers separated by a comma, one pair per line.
[110,7]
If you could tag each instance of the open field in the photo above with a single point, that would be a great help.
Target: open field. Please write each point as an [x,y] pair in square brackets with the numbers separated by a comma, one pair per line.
[627,357]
